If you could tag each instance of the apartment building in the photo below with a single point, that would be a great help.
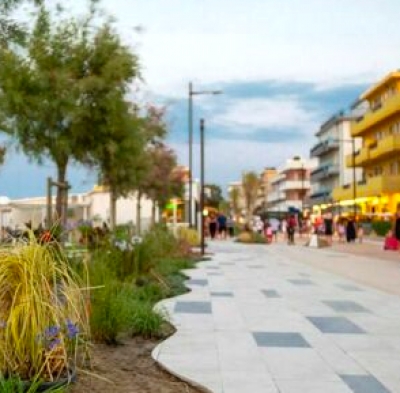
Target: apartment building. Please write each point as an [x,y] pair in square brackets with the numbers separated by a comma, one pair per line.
[265,188]
[290,187]
[334,144]
[379,156]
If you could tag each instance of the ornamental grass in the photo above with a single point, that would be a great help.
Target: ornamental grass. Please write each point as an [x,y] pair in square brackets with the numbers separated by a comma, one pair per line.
[43,316]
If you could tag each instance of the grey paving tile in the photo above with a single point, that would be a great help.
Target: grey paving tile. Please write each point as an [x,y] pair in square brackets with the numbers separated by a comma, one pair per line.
[227,264]
[349,287]
[301,281]
[221,294]
[215,274]
[193,307]
[256,266]
[212,267]
[198,281]
[280,340]
[304,275]
[336,325]
[270,293]
[345,306]
[364,384]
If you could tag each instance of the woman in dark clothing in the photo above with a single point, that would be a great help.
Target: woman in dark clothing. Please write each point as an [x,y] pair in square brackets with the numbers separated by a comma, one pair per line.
[397,227]
[350,231]
[212,226]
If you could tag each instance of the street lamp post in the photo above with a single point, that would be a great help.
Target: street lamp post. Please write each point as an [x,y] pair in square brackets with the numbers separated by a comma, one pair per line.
[190,119]
[202,184]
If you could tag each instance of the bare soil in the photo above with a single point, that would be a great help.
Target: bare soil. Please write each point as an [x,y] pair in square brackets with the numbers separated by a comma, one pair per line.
[128,368]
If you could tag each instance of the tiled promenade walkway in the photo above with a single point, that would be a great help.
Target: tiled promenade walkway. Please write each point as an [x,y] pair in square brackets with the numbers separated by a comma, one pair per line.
[258,321]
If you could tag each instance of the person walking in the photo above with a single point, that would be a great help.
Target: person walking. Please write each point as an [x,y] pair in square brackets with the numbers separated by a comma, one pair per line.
[291,228]
[396,229]
[221,221]
[230,226]
[350,231]
[212,226]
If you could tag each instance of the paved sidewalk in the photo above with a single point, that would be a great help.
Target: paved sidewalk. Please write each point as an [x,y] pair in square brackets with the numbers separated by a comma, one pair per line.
[257,320]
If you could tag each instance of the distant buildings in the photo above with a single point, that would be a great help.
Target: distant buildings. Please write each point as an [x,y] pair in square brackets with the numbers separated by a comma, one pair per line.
[334,145]
[290,187]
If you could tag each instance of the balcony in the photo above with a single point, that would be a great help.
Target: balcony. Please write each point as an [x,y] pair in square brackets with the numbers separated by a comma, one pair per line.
[369,188]
[324,172]
[385,148]
[276,196]
[295,185]
[362,156]
[375,116]
[324,147]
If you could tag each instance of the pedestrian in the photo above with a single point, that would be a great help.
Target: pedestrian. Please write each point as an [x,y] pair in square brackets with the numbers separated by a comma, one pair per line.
[268,232]
[230,226]
[284,227]
[328,224]
[221,221]
[350,231]
[396,229]
[291,228]
[212,226]
[341,230]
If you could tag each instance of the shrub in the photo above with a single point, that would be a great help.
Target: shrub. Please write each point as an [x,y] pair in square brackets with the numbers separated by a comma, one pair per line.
[251,237]
[190,236]
[15,385]
[147,322]
[110,312]
[42,313]
[381,228]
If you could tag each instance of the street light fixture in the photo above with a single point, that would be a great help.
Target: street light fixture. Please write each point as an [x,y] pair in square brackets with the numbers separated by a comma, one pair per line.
[191,94]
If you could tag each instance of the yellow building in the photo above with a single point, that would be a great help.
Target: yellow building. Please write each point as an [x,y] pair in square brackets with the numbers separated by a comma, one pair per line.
[379,156]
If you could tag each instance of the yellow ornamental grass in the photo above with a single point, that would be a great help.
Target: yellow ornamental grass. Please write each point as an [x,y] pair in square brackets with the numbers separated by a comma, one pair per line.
[43,318]
[190,236]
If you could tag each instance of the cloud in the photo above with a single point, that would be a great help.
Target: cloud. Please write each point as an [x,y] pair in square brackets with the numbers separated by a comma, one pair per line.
[280,112]
[225,160]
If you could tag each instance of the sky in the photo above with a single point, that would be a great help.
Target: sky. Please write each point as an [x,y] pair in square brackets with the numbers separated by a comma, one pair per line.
[284,68]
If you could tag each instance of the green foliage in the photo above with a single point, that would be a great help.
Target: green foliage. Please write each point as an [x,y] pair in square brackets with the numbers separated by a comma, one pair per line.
[146,321]
[111,310]
[251,238]
[213,195]
[381,228]
[15,385]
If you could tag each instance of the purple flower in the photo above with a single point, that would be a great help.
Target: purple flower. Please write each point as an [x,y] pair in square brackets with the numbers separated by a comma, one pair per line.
[52,331]
[54,343]
[72,329]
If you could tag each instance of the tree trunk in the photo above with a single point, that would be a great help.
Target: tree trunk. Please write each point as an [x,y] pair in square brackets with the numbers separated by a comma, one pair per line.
[153,212]
[138,214]
[61,193]
[113,210]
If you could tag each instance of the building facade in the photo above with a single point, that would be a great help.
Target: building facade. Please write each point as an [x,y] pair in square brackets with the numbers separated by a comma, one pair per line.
[334,145]
[265,188]
[378,193]
[290,187]
[93,206]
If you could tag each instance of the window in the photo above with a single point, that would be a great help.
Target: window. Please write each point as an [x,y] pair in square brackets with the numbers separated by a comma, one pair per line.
[395,168]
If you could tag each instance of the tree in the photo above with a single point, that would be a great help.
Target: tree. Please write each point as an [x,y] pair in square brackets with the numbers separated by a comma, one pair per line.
[162,183]
[2,154]
[234,195]
[213,195]
[61,98]
[250,184]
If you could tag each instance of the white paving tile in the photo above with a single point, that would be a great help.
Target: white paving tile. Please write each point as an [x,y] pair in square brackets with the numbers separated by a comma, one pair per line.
[218,351]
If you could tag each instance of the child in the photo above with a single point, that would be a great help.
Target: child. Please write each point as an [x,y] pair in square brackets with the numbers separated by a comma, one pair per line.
[391,242]
[269,233]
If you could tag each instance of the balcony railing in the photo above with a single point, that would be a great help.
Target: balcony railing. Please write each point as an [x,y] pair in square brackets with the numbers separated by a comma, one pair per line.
[390,107]
[324,147]
[296,185]
[369,187]
[384,148]
[324,172]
